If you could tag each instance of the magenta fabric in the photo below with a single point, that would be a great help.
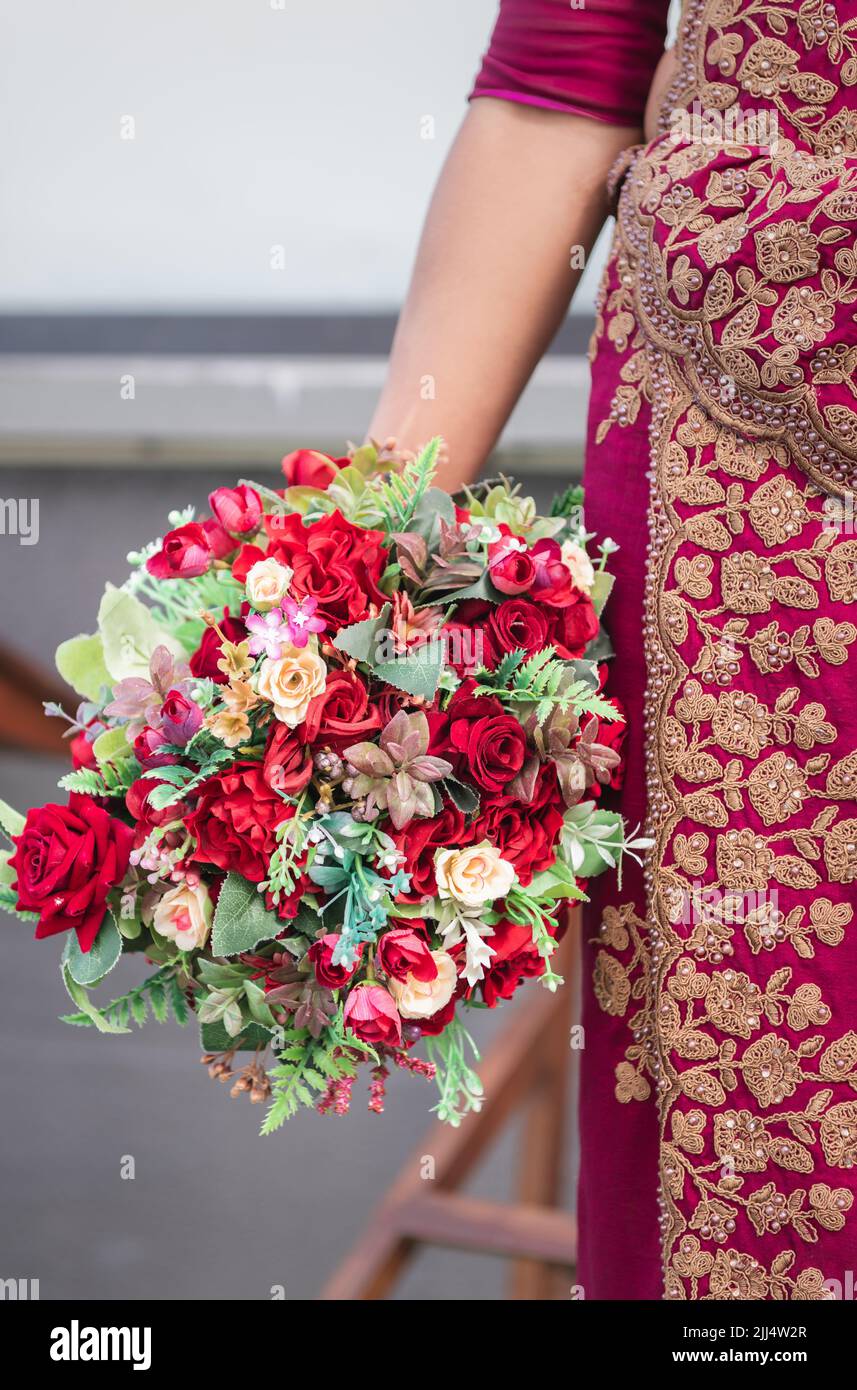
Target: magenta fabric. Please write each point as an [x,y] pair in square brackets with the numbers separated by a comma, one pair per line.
[597,61]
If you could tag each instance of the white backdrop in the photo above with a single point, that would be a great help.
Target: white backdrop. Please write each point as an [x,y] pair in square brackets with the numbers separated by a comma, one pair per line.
[256,124]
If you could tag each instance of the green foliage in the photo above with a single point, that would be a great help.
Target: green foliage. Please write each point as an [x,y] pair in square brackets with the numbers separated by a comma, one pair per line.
[112,746]
[305,1066]
[459,1084]
[111,779]
[418,673]
[87,968]
[360,640]
[400,495]
[80,662]
[176,781]
[161,993]
[11,821]
[568,503]
[129,634]
[241,919]
[544,682]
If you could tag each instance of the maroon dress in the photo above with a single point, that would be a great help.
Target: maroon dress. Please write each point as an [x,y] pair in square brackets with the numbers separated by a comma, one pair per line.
[719,1075]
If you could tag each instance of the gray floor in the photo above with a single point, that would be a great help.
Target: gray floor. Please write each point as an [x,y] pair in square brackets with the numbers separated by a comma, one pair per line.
[213,1210]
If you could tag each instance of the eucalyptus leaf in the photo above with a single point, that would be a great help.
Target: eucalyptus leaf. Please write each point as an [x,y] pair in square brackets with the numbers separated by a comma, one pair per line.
[80,662]
[87,967]
[78,994]
[130,634]
[360,640]
[213,1037]
[11,821]
[418,673]
[241,919]
[112,744]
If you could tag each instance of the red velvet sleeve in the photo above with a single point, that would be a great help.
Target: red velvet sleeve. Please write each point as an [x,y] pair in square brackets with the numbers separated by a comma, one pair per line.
[595,61]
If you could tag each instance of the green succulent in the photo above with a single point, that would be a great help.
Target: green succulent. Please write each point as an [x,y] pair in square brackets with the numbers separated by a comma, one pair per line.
[396,774]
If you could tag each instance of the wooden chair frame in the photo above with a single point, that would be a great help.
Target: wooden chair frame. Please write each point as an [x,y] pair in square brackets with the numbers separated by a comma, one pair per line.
[529,1067]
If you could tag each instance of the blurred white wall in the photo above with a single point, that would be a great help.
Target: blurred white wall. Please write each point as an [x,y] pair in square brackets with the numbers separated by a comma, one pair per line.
[256,124]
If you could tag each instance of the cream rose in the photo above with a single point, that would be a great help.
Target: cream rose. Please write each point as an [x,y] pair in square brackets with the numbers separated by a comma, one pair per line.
[291,682]
[267,584]
[423,998]
[183,915]
[577,560]
[474,876]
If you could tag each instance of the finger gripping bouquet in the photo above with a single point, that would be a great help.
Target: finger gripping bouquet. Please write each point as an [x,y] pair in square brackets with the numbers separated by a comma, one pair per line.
[338,767]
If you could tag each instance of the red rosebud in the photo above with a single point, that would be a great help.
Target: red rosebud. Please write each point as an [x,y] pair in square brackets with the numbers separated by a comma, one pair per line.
[180,718]
[512,570]
[184,554]
[219,540]
[554,583]
[66,860]
[238,509]
[404,952]
[321,955]
[308,468]
[372,1016]
[82,753]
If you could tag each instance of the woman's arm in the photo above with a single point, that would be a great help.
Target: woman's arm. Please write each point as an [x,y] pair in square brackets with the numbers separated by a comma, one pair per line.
[494,274]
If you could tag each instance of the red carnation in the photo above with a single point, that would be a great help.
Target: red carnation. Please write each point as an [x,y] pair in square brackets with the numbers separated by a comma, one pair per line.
[526,835]
[332,561]
[371,1014]
[515,959]
[321,955]
[66,860]
[418,842]
[184,554]
[234,821]
[404,952]
[574,627]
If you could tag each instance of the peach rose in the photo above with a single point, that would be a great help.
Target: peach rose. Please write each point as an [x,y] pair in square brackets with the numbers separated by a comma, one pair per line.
[291,682]
[474,876]
[577,560]
[183,915]
[267,583]
[423,998]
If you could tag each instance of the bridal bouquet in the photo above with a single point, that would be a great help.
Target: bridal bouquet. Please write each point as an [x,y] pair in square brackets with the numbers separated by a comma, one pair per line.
[337,774]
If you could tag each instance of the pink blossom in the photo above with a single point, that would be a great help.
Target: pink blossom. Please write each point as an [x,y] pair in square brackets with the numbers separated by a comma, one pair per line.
[301,619]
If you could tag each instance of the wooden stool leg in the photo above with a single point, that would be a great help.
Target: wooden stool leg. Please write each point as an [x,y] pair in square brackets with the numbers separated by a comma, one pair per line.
[545,1120]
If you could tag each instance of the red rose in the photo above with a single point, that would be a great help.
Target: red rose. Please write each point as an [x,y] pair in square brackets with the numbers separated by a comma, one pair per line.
[238,509]
[554,581]
[145,818]
[307,468]
[184,554]
[519,623]
[287,766]
[404,952]
[526,835]
[234,821]
[180,718]
[512,570]
[371,1014]
[573,627]
[203,663]
[321,955]
[341,714]
[515,959]
[418,842]
[334,562]
[66,860]
[146,748]
[490,745]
